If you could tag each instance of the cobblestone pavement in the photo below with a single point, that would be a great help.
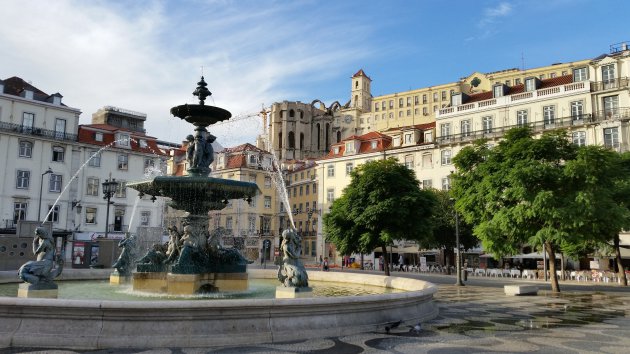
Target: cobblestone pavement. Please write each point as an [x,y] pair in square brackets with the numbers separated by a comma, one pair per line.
[475,319]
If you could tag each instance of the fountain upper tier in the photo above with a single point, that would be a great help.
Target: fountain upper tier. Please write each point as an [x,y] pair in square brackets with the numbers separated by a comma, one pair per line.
[196,194]
[199,114]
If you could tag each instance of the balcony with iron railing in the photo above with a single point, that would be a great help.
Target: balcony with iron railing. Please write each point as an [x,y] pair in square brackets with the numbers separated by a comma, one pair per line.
[620,114]
[612,84]
[31,131]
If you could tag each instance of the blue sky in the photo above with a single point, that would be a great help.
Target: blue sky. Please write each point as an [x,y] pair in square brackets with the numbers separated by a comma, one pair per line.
[147,55]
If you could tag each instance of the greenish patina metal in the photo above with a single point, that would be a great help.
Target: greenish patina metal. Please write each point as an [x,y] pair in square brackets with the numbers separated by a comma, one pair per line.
[192,251]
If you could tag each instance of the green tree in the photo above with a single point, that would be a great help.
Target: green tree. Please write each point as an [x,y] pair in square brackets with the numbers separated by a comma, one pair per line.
[383,203]
[520,192]
[444,225]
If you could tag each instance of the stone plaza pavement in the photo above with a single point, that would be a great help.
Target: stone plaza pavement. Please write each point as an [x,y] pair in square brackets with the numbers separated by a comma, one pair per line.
[474,319]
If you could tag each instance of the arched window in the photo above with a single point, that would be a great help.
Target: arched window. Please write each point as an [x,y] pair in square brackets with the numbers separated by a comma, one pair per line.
[319,135]
[291,113]
[280,140]
[301,141]
[326,136]
[291,140]
[301,114]
[356,84]
[338,137]
[356,100]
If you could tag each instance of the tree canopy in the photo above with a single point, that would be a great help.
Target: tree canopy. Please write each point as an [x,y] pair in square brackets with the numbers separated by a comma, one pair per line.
[545,191]
[444,225]
[383,203]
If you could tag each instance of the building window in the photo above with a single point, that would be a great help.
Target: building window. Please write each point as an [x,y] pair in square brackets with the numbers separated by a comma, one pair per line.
[579,138]
[307,189]
[445,130]
[55,183]
[53,214]
[330,195]
[580,74]
[446,157]
[521,118]
[428,137]
[383,105]
[577,110]
[400,114]
[60,128]
[608,75]
[228,223]
[611,138]
[373,144]
[435,108]
[121,189]
[145,218]
[487,124]
[400,103]
[314,188]
[123,160]
[149,165]
[267,182]
[611,106]
[90,215]
[57,153]
[530,84]
[331,170]
[443,95]
[143,143]
[92,186]
[391,115]
[376,107]
[416,100]
[424,99]
[98,136]
[122,139]
[350,146]
[408,101]
[251,221]
[435,96]
[427,183]
[28,120]
[517,81]
[497,91]
[26,149]
[446,183]
[549,114]
[349,167]
[408,138]
[95,158]
[301,190]
[456,100]
[427,160]
[254,201]
[19,211]
[23,179]
[391,104]
[267,202]
[409,161]
[465,127]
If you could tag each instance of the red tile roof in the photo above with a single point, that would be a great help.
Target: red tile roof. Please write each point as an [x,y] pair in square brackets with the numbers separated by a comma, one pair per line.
[512,90]
[242,147]
[361,73]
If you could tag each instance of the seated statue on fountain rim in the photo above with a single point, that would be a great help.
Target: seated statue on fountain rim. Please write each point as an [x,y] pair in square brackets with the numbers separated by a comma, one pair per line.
[291,272]
[41,272]
[153,260]
[190,260]
[174,245]
[124,263]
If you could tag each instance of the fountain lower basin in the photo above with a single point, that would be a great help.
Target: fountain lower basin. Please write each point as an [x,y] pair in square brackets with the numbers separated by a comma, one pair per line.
[90,324]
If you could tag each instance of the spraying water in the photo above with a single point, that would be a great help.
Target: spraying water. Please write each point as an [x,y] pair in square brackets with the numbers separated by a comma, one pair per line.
[275,173]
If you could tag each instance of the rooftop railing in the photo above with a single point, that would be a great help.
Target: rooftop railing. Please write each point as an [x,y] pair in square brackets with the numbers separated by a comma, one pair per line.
[31,131]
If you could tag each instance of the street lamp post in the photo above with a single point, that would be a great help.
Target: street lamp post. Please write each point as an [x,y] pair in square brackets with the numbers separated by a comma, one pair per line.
[41,187]
[459,254]
[109,188]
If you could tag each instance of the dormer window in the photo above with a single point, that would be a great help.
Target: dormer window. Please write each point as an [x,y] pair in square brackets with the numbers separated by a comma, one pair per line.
[408,138]
[98,136]
[580,74]
[498,90]
[253,160]
[531,84]
[456,99]
[374,144]
[350,147]
[143,143]
[428,137]
[122,139]
[336,150]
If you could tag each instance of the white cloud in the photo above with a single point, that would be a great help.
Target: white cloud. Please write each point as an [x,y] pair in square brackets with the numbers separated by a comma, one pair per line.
[147,56]
[492,15]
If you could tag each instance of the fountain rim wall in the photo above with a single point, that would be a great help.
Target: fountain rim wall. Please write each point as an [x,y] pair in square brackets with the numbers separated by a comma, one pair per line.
[99,324]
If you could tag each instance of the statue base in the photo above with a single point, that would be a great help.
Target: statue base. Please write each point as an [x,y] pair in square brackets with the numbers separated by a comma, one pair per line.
[38,291]
[283,292]
[189,284]
[116,279]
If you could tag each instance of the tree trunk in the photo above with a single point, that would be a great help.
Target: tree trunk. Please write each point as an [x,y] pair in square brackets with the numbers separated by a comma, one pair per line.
[621,274]
[385,261]
[551,256]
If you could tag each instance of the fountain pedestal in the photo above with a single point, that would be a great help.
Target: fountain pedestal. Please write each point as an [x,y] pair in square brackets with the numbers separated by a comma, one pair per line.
[117,279]
[37,291]
[283,292]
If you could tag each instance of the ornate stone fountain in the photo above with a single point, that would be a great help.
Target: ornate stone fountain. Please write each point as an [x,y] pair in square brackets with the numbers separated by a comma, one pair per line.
[193,261]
